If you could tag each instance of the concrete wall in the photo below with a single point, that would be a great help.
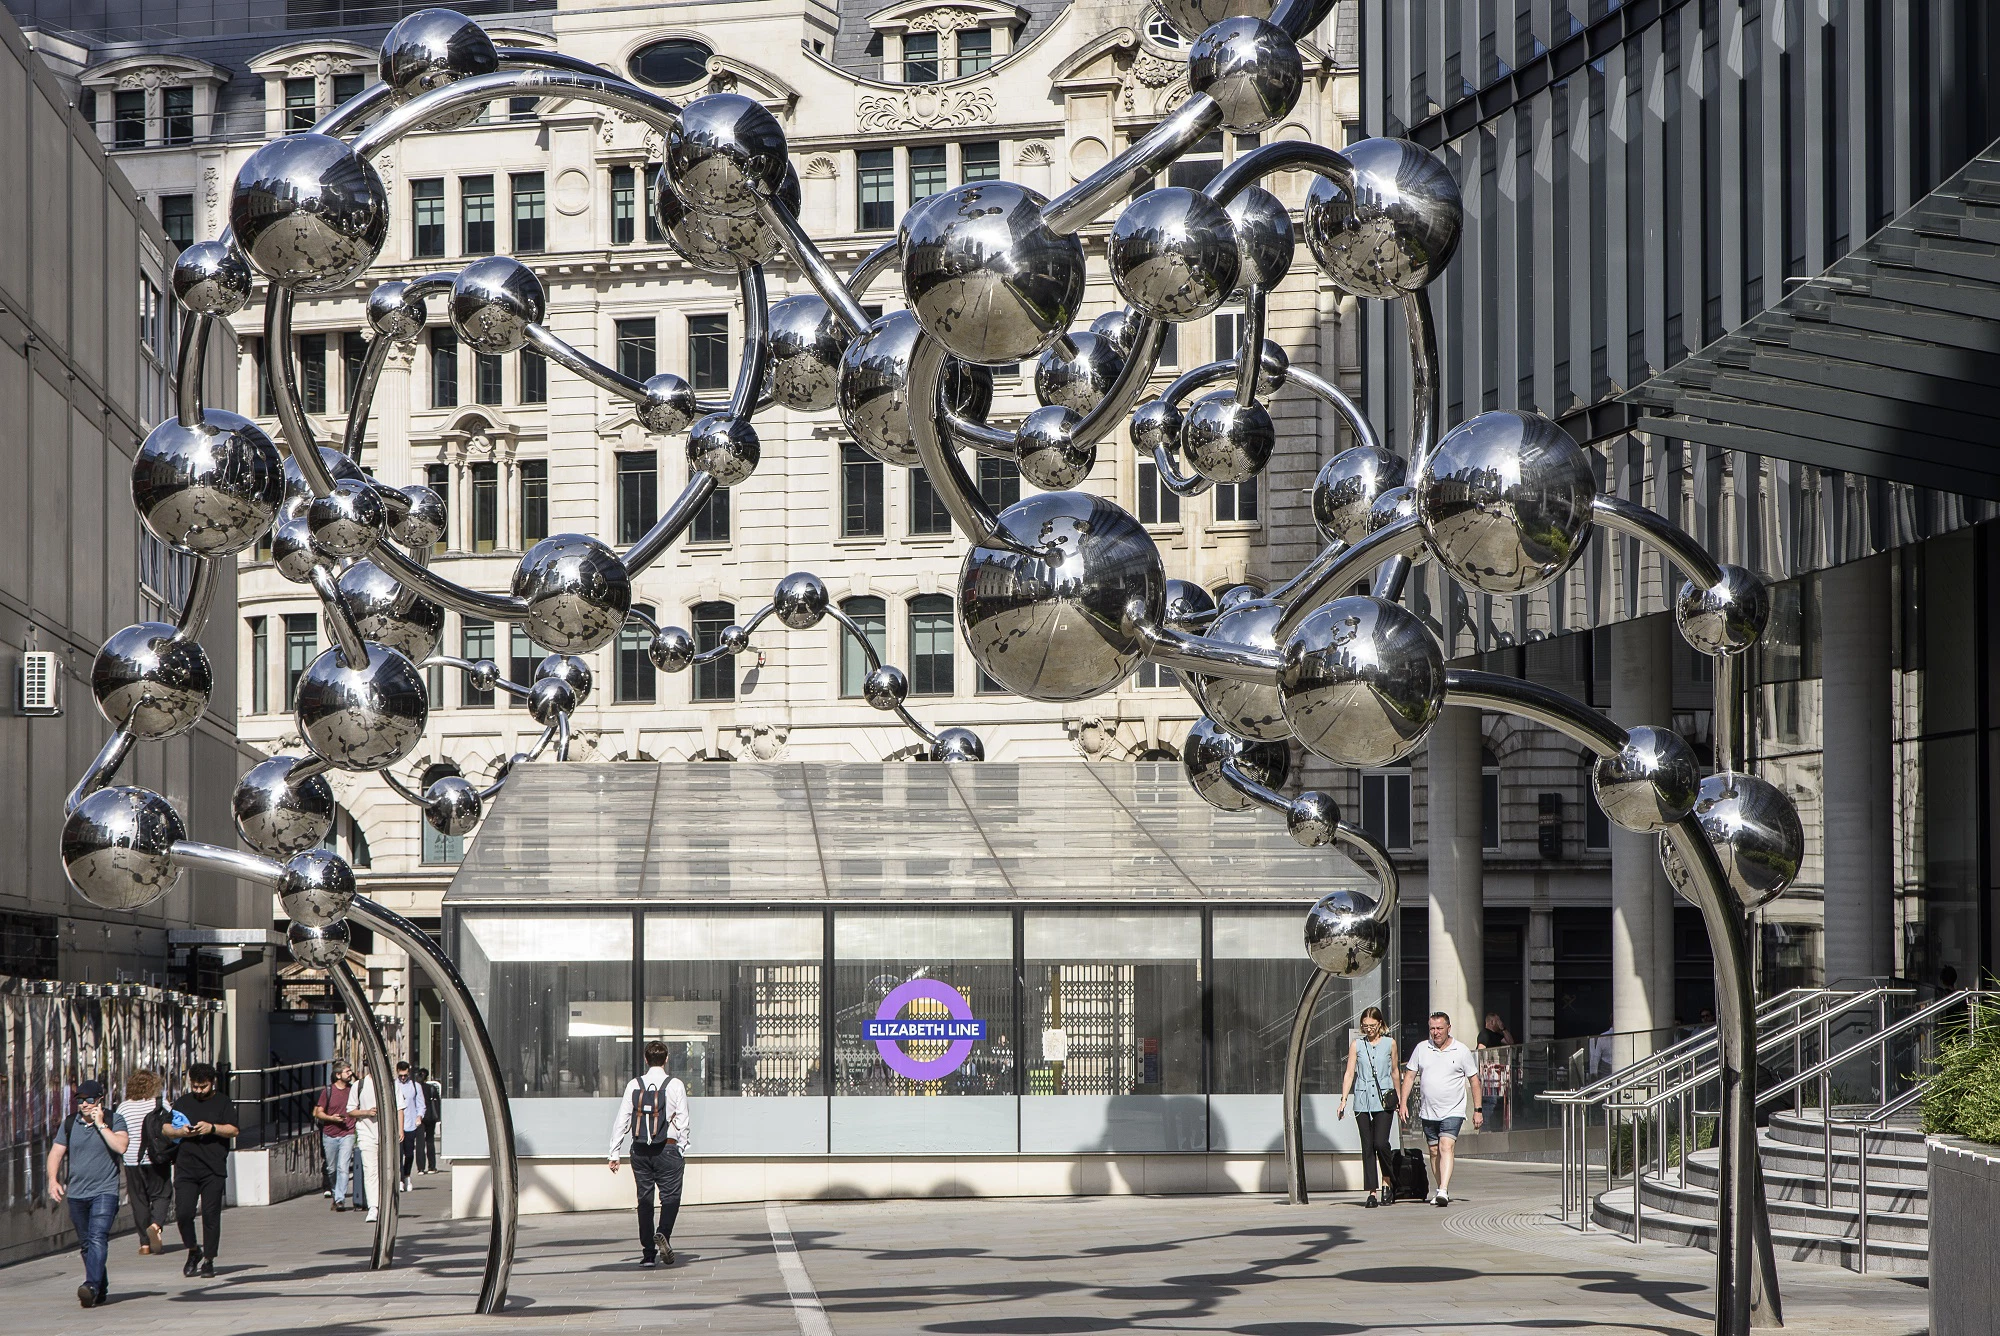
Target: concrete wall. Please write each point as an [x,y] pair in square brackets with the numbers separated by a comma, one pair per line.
[1964,1200]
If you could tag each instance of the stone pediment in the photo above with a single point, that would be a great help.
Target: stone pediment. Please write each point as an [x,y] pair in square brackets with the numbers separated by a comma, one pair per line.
[153,71]
[727,74]
[943,16]
[322,58]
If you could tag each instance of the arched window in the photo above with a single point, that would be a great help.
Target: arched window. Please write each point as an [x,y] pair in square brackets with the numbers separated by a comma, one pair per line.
[1489,799]
[872,616]
[716,680]
[931,646]
[673,63]
[637,678]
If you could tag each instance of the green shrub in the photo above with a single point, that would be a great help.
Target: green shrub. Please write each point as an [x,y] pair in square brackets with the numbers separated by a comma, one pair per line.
[1963,1095]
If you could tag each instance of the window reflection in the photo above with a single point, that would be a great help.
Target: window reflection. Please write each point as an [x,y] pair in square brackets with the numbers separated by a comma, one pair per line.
[874,954]
[1260,969]
[736,997]
[1113,1003]
[556,992]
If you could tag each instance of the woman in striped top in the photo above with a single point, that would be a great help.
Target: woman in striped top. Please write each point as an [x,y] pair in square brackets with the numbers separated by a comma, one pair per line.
[150,1186]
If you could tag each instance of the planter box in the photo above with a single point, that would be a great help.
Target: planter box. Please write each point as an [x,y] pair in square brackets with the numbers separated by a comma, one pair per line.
[1964,1202]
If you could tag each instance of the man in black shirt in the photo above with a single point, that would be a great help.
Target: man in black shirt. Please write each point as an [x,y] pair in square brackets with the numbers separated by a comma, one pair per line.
[202,1166]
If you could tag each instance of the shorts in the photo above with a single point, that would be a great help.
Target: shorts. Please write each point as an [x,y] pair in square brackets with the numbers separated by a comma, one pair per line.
[1434,1128]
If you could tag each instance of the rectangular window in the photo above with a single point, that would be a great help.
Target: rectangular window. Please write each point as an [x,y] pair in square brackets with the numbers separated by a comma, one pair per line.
[534,377]
[920,57]
[440,847]
[301,104]
[128,112]
[444,369]
[716,680]
[1114,1003]
[312,372]
[979,162]
[711,522]
[871,614]
[1385,807]
[971,952]
[624,202]
[534,500]
[485,506]
[636,683]
[975,50]
[260,665]
[1151,674]
[927,172]
[736,997]
[522,108]
[475,642]
[437,477]
[927,512]
[346,87]
[999,482]
[1170,345]
[638,349]
[1489,809]
[638,493]
[1596,823]
[876,180]
[653,232]
[353,357]
[177,219]
[301,648]
[427,199]
[487,373]
[557,997]
[530,212]
[1228,334]
[178,104]
[1157,503]
[932,643]
[1257,973]
[475,202]
[860,493]
[708,352]
[521,665]
[1236,502]
[1199,165]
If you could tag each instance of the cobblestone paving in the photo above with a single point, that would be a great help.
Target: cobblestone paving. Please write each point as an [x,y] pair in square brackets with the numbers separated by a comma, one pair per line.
[1494,1262]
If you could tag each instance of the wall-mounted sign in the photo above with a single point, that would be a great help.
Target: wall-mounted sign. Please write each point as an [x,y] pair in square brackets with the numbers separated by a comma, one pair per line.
[957,1029]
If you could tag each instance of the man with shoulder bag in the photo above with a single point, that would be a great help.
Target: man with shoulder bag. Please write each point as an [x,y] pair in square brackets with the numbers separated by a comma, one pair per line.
[653,1115]
[95,1153]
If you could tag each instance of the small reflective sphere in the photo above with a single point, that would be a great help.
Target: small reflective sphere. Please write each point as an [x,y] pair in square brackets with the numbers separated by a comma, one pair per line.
[317,888]
[800,600]
[874,388]
[452,805]
[733,638]
[150,683]
[987,276]
[117,847]
[484,673]
[670,404]
[493,301]
[1062,627]
[886,687]
[723,243]
[1051,456]
[1173,254]
[319,948]
[1194,17]
[298,495]
[425,521]
[213,278]
[569,669]
[807,340]
[1156,424]
[1247,709]
[1362,681]
[957,744]
[1251,68]
[1726,619]
[671,649]
[1227,441]
[1078,383]
[1208,745]
[577,592]
[346,522]
[1237,595]
[726,448]
[549,698]
[1115,328]
[292,551]
[1189,606]
[1265,240]
[364,718]
[1756,833]
[1347,486]
[725,154]
[1398,503]
[1650,783]
[1506,500]
[393,313]
[1395,230]
[387,613]
[277,816]
[309,212]
[1343,935]
[432,48]
[1312,819]
[210,489]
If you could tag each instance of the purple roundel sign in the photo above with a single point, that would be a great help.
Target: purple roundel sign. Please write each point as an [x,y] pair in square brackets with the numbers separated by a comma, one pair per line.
[891,1031]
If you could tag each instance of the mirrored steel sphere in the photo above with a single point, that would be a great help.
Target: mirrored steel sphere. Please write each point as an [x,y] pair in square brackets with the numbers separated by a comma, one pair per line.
[1194,17]
[278,816]
[1265,240]
[806,343]
[1649,783]
[1725,619]
[493,301]
[986,276]
[734,638]
[1362,682]
[1506,500]
[424,523]
[670,404]
[549,698]
[1756,832]
[1156,423]
[298,495]
[957,744]
[210,489]
[1078,383]
[726,448]
[1051,456]
[1343,935]
[319,948]
[1347,486]
[346,522]
[1227,441]
[1312,819]
[1061,627]
[886,687]
[317,887]
[1208,745]
[726,153]
[723,243]
[577,592]
[1276,368]
[292,551]
[1395,229]
[483,675]
[1247,709]
[213,278]
[671,649]
[150,683]
[1115,328]
[569,669]
[874,388]
[1173,254]
[309,212]
[1398,503]
[1237,595]
[801,600]
[1189,606]
[393,313]
[364,718]
[117,847]
[432,48]
[1251,68]
[452,805]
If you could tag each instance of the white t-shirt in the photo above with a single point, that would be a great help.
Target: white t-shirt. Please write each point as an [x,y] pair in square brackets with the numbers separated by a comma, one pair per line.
[368,1131]
[1443,1073]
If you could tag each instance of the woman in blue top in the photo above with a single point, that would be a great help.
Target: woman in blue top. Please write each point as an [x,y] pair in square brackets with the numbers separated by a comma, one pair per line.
[1371,1083]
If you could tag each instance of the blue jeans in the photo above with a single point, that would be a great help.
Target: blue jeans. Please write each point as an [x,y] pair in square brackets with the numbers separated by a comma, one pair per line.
[340,1157]
[93,1218]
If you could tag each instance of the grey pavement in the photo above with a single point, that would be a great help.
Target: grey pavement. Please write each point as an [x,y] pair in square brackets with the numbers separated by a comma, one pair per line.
[1493,1262]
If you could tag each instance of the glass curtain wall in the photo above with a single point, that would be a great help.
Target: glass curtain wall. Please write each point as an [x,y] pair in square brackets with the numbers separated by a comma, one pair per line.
[1786,711]
[556,992]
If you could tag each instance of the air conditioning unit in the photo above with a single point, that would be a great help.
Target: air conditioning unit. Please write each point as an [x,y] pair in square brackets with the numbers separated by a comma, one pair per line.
[40,684]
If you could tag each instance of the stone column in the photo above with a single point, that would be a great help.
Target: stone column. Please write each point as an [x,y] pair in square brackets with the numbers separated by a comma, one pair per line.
[1457,870]
[1855,731]
[1642,902]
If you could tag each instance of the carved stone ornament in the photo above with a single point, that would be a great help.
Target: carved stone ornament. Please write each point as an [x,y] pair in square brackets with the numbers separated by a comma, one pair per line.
[820,168]
[944,20]
[211,186]
[153,76]
[925,108]
[1035,154]
[1156,71]
[764,741]
[320,67]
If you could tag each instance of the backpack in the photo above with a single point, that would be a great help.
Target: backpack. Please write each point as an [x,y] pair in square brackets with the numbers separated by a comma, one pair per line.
[160,1149]
[649,1114]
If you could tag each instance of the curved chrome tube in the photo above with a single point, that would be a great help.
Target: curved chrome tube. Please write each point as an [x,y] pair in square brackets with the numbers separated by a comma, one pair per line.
[1171,477]
[283,375]
[575,84]
[363,398]
[756,358]
[384,1192]
[187,370]
[353,111]
[1250,346]
[969,511]
[1332,395]
[202,587]
[1324,580]
[1531,700]
[1634,521]
[902,710]
[580,363]
[836,294]
[102,770]
[1148,335]
[339,619]
[1191,380]
[1425,386]
[417,575]
[1078,207]
[667,529]
[1187,652]
[883,259]
[1285,155]
[194,856]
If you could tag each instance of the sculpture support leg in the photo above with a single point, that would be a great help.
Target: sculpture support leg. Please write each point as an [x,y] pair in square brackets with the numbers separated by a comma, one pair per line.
[1295,1080]
[385,1190]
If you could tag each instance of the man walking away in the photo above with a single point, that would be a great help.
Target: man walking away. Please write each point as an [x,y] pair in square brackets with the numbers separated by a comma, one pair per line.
[653,1115]
[410,1101]
[1449,1075]
[335,1117]
[206,1124]
[363,1108]
[427,1147]
[149,1160]
[94,1152]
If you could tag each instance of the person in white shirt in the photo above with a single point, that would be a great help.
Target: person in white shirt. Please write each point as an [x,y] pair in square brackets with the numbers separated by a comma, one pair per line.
[368,1140]
[410,1102]
[653,1117]
[1449,1076]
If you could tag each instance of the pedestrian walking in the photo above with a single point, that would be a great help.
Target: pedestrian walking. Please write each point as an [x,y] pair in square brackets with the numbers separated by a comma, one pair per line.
[427,1147]
[1371,1083]
[1449,1077]
[334,1115]
[653,1117]
[94,1151]
[1495,1069]
[410,1103]
[149,1160]
[205,1128]
[368,1142]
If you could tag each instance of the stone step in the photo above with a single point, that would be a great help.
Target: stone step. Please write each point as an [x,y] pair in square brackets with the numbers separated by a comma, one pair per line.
[1907,1198]
[1806,1129]
[1613,1210]
[1796,1217]
[1783,1157]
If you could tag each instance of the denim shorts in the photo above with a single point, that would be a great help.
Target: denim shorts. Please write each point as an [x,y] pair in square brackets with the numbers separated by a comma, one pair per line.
[1435,1128]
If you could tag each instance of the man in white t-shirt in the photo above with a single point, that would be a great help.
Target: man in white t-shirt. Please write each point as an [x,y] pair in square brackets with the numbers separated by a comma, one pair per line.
[653,1118]
[1449,1076]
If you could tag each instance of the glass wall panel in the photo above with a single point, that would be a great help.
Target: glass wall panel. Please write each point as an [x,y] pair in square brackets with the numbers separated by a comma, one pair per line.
[923,965]
[556,992]
[1260,970]
[737,998]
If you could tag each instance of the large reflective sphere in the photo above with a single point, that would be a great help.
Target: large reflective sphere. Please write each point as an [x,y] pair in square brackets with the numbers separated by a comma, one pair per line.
[423,522]
[1264,238]
[1252,70]
[572,671]
[389,614]
[319,948]
[956,745]
[364,718]
[452,805]
[986,276]
[1348,486]
[549,698]
[1247,709]
[210,489]
[724,447]
[298,495]
[874,388]
[577,592]
[1173,254]
[277,816]
[1756,833]
[671,649]
[348,521]
[723,243]
[1078,383]
[1208,746]
[1650,783]
[885,688]
[213,278]
[493,301]
[292,551]
[432,48]
[117,847]
[1506,500]
[1194,17]
[1725,619]
[393,313]
[309,212]
[1343,936]
[800,600]
[1395,230]
[1312,820]
[317,887]
[1059,627]
[806,343]
[1051,456]
[1362,681]
[1227,441]
[726,153]
[147,681]
[1156,425]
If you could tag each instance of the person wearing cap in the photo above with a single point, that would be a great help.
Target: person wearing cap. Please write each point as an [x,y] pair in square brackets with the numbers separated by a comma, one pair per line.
[95,1155]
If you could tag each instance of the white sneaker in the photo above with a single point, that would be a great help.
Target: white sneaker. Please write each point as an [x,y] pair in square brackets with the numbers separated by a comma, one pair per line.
[1442,1199]
[406,1185]
[371,1215]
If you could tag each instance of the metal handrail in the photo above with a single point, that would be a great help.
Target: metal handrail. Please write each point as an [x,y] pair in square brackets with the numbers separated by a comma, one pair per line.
[1861,1125]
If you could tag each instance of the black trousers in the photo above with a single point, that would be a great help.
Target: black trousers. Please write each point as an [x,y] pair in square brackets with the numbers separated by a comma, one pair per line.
[151,1189]
[197,1191]
[1375,1146]
[427,1146]
[657,1169]
[409,1154]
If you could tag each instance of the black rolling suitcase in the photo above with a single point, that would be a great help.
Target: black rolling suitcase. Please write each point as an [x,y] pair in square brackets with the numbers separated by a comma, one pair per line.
[1407,1173]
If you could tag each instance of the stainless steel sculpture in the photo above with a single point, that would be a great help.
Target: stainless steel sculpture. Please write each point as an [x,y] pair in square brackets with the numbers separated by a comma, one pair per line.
[1063,594]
